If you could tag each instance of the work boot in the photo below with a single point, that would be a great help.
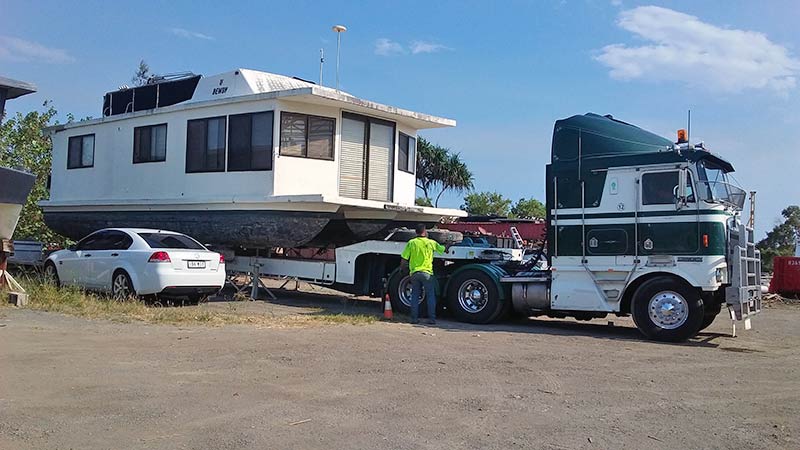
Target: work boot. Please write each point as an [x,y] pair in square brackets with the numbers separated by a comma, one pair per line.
[430,321]
[414,321]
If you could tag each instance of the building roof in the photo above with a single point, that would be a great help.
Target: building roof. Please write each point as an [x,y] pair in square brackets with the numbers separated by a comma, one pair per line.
[16,88]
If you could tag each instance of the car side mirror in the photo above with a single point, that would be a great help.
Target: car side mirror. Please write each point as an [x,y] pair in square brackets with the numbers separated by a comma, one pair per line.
[72,247]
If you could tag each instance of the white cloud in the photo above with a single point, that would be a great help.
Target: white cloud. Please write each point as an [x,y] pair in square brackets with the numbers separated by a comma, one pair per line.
[683,48]
[427,47]
[19,50]
[189,34]
[387,47]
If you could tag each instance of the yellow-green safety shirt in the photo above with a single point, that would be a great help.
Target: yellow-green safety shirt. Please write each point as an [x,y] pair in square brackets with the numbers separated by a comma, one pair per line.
[419,253]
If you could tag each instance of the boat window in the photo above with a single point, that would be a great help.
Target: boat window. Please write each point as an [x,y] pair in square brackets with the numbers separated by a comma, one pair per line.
[250,142]
[150,143]
[80,153]
[307,136]
[407,158]
[205,145]
[659,188]
[170,240]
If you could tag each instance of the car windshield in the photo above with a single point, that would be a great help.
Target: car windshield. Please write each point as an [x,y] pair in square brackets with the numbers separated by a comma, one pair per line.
[169,240]
[715,187]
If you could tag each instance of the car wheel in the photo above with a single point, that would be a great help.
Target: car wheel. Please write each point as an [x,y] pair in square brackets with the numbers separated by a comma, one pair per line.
[400,294]
[473,297]
[51,274]
[121,286]
[667,309]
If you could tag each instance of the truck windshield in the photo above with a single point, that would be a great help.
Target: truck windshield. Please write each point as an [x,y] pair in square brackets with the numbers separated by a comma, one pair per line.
[713,186]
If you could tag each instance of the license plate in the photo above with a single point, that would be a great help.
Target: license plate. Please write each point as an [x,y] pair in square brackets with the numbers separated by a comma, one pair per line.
[196,264]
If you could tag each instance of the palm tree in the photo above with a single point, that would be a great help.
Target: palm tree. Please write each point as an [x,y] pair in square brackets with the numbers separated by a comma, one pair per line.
[439,169]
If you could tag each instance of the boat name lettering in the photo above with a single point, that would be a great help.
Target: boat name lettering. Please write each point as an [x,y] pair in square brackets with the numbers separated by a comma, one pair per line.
[219,90]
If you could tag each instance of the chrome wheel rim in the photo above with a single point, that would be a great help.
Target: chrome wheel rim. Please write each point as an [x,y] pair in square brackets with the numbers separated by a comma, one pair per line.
[404,291]
[473,296]
[668,310]
[121,289]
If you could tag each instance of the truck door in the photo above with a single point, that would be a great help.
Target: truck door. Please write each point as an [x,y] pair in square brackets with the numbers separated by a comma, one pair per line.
[666,226]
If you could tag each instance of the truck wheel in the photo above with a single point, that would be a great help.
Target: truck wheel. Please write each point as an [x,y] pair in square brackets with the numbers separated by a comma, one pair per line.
[711,313]
[51,274]
[400,294]
[473,297]
[667,309]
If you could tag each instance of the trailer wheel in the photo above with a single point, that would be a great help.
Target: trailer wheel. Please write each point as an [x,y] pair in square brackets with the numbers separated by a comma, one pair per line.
[473,297]
[711,312]
[667,309]
[400,294]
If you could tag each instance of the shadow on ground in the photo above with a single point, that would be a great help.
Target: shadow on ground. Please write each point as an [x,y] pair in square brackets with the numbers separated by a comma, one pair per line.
[313,300]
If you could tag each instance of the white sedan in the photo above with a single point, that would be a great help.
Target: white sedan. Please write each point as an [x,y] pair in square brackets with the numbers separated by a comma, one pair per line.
[137,261]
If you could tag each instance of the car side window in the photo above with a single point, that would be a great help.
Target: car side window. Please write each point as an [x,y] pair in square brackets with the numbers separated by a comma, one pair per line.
[92,242]
[117,240]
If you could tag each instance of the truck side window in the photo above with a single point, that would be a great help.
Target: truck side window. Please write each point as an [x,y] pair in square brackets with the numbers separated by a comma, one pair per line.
[689,188]
[659,188]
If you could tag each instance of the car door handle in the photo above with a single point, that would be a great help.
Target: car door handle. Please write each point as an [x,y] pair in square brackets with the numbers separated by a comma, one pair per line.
[115,254]
[87,255]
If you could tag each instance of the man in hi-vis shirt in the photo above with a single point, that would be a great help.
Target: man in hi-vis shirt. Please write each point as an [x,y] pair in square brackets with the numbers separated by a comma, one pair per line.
[417,258]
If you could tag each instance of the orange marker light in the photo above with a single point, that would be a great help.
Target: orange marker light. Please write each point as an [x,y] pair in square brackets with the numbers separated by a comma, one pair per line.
[682,139]
[705,240]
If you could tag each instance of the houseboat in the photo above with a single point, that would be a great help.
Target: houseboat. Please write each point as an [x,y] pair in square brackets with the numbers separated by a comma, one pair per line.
[244,158]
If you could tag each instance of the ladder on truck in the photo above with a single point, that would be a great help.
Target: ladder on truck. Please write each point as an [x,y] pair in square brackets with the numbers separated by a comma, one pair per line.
[517,237]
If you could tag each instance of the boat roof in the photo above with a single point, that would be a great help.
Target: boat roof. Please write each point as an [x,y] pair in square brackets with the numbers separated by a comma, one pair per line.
[248,85]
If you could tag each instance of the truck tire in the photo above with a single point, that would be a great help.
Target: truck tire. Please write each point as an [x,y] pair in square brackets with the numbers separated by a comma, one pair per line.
[711,312]
[667,309]
[444,237]
[473,297]
[400,294]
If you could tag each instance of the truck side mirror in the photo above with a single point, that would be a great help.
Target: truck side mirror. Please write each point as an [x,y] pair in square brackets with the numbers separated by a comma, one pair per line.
[680,189]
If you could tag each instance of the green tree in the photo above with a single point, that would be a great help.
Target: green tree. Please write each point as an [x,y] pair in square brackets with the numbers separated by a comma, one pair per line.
[142,74]
[486,204]
[782,239]
[423,201]
[528,209]
[439,170]
[25,145]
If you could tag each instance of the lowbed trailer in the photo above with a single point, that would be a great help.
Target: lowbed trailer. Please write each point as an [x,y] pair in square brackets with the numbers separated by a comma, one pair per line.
[636,225]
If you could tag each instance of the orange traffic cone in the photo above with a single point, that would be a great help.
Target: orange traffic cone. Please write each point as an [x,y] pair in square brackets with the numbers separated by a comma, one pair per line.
[387,308]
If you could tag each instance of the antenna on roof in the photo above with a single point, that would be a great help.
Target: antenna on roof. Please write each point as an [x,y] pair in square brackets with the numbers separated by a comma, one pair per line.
[321,62]
[689,129]
[339,29]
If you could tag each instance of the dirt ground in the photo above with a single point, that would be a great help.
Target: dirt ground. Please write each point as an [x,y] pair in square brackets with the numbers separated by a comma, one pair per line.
[71,383]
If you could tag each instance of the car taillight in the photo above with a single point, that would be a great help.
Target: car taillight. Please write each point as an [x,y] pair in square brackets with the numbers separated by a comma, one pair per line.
[221,259]
[159,257]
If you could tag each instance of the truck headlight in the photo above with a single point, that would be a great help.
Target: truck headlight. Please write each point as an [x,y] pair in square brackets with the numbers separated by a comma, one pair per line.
[720,275]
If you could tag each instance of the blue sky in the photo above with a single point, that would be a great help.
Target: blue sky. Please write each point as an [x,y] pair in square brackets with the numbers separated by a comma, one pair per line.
[504,71]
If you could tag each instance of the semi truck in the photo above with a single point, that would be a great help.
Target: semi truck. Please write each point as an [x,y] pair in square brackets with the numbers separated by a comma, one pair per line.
[637,225]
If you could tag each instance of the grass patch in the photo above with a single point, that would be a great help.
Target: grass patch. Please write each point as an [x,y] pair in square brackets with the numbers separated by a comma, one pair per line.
[75,302]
